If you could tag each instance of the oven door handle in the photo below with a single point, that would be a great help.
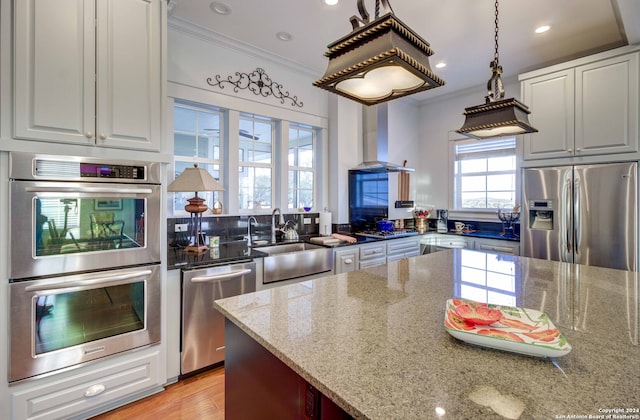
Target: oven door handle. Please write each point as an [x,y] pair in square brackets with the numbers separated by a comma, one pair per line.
[85,189]
[224,276]
[101,281]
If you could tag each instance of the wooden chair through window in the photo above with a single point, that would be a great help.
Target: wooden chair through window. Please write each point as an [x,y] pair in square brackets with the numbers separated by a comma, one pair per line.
[105,227]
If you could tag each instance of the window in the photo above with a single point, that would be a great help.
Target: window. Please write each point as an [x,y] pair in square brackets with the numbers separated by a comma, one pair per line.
[301,168]
[197,133]
[256,162]
[60,214]
[484,174]
[262,162]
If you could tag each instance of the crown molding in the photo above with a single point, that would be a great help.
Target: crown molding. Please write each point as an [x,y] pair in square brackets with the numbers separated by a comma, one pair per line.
[188,28]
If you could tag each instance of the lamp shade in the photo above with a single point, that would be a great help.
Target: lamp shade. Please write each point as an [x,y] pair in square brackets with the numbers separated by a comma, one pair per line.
[507,117]
[195,179]
[378,62]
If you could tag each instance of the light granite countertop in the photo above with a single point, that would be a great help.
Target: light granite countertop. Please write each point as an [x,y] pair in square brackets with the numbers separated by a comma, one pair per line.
[374,340]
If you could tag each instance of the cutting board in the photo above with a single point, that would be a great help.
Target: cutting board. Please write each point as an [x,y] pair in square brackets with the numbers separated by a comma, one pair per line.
[325,240]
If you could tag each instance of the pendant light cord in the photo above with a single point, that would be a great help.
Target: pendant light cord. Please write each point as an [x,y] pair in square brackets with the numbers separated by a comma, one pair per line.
[495,88]
[496,55]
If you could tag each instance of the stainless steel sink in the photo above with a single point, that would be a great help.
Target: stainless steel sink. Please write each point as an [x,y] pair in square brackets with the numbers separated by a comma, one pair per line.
[292,260]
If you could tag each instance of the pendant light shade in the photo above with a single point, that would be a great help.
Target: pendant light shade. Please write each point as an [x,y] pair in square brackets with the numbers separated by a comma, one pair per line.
[379,60]
[497,117]
[507,117]
[197,180]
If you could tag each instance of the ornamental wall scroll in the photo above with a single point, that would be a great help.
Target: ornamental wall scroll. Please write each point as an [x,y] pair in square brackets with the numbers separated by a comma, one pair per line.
[257,82]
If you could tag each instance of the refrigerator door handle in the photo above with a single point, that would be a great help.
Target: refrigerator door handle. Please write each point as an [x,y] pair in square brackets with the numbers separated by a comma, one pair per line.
[577,219]
[568,239]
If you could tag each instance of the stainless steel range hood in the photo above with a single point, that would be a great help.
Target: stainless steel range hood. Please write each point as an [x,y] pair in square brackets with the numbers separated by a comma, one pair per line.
[375,121]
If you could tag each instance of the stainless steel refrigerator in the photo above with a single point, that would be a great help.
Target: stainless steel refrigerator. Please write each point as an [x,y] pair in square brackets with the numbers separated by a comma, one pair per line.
[584,214]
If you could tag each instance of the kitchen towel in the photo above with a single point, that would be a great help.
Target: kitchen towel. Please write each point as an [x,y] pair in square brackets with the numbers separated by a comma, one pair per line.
[325,223]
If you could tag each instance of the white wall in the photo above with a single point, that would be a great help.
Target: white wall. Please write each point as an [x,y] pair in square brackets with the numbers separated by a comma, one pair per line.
[437,122]
[195,55]
[345,152]
[404,138]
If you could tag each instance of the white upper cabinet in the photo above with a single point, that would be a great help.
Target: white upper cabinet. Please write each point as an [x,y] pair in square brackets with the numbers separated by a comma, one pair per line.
[89,72]
[588,109]
[607,106]
[551,100]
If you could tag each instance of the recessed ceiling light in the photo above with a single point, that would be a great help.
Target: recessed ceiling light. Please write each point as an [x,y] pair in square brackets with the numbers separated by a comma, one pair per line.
[284,36]
[220,8]
[441,65]
[330,2]
[542,29]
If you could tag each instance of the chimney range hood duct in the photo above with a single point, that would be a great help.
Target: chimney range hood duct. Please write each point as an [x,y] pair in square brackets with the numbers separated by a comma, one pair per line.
[375,121]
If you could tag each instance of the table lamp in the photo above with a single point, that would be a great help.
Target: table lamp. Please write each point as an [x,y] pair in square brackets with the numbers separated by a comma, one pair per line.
[195,179]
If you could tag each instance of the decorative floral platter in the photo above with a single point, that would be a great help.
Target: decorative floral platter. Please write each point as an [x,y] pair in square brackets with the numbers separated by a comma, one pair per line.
[508,328]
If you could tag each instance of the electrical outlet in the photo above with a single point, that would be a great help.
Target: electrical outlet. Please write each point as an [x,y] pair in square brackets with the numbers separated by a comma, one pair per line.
[181,227]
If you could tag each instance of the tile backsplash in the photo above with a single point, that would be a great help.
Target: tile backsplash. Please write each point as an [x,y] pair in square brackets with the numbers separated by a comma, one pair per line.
[234,228]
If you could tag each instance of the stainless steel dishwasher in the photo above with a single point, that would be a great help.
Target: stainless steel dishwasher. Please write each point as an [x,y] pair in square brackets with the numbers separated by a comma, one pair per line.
[202,342]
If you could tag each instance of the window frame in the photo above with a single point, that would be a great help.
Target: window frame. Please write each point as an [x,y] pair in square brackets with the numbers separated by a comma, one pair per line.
[177,209]
[297,169]
[275,139]
[487,214]
[229,154]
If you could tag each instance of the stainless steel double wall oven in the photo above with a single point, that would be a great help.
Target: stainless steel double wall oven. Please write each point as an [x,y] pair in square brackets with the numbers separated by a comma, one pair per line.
[84,266]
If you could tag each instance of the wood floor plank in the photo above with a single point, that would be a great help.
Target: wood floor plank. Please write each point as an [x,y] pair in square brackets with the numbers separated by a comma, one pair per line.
[198,397]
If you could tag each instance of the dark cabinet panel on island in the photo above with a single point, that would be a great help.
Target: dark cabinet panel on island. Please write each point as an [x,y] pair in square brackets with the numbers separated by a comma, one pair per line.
[259,385]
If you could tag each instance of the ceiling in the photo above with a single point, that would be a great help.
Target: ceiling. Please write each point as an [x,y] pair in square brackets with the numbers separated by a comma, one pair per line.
[461,32]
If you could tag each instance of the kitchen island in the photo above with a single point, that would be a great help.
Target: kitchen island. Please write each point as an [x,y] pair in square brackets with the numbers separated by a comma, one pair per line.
[373,342]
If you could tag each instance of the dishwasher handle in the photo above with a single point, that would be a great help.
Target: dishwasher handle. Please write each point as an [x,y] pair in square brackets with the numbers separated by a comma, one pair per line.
[223,276]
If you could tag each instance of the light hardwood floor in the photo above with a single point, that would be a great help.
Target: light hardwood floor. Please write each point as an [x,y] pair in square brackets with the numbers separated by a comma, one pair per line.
[198,397]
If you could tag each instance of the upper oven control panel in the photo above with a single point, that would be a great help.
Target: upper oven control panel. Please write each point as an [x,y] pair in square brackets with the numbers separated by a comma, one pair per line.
[95,170]
[27,166]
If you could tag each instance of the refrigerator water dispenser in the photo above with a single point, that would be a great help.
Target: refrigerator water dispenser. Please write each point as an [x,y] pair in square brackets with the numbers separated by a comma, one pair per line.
[541,214]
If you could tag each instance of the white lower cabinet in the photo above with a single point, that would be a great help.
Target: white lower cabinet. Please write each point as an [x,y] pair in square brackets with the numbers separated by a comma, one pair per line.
[372,254]
[497,246]
[398,249]
[357,257]
[345,259]
[84,394]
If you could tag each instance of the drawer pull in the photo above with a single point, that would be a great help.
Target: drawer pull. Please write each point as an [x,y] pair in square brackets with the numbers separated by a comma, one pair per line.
[94,390]
[497,248]
[348,261]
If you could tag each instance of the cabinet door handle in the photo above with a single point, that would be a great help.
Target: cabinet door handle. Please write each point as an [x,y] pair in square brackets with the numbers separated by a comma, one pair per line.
[569,150]
[103,136]
[578,149]
[348,261]
[88,134]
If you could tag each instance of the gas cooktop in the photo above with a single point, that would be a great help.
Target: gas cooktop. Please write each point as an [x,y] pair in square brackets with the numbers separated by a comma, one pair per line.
[387,234]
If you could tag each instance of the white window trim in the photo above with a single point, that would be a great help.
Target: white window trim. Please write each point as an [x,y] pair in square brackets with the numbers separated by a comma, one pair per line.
[314,169]
[230,154]
[481,215]
[172,211]
[275,146]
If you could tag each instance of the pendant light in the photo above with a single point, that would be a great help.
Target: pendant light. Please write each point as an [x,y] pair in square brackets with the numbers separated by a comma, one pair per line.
[497,117]
[379,60]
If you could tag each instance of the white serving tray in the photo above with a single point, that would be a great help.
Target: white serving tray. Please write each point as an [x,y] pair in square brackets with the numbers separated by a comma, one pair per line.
[524,331]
